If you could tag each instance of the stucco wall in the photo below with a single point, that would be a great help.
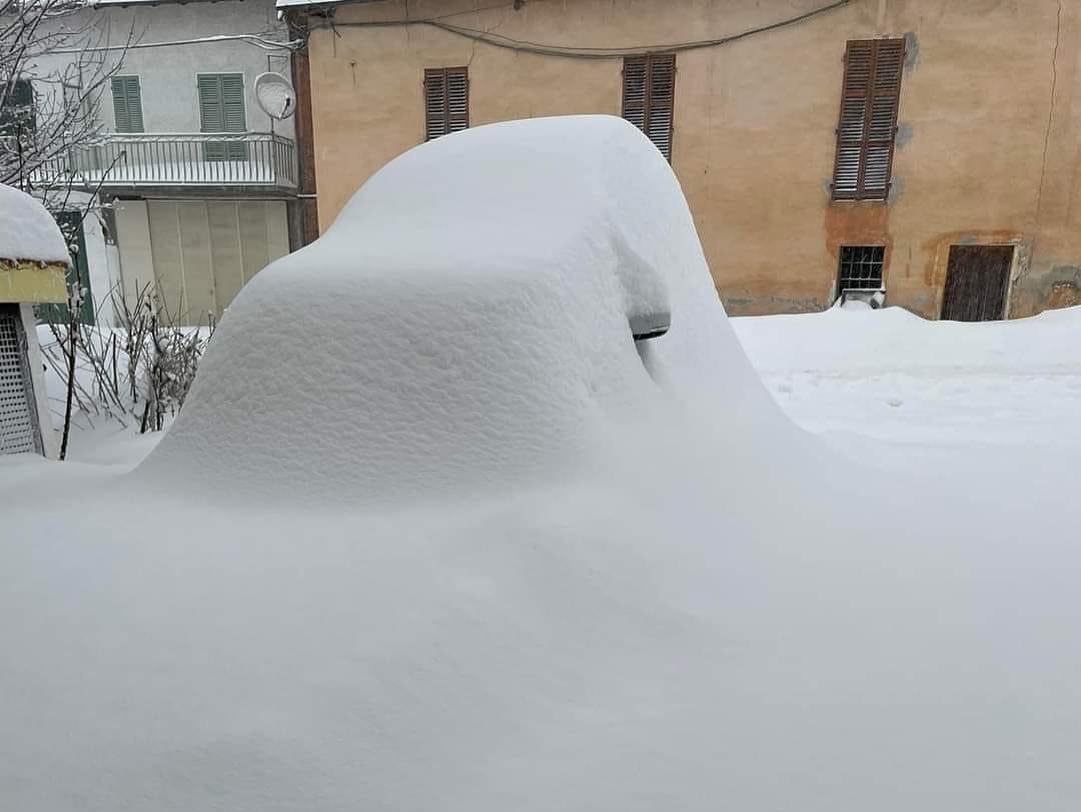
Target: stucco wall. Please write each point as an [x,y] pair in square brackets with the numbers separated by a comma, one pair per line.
[986,151]
[170,103]
[167,75]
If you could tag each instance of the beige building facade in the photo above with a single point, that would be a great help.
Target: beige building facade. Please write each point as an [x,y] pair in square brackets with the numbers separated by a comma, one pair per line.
[986,142]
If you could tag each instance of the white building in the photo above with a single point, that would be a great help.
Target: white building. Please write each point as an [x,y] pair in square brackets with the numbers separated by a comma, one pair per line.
[197,177]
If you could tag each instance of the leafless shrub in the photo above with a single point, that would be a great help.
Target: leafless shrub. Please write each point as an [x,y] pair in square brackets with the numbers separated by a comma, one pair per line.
[172,358]
[139,371]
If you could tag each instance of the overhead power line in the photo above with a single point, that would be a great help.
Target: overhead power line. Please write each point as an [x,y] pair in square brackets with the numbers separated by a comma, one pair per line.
[578,52]
[251,39]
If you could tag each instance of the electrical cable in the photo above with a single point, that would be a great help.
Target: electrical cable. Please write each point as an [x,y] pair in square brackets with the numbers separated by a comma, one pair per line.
[250,39]
[525,46]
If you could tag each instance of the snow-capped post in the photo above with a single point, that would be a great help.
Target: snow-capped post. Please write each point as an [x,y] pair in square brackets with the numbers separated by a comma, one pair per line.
[71,346]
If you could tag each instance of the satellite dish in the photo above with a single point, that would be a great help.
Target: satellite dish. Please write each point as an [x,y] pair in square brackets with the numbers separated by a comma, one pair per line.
[275,95]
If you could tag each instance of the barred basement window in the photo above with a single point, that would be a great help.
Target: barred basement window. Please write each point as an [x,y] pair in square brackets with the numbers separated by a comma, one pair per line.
[649,92]
[868,122]
[446,101]
[860,268]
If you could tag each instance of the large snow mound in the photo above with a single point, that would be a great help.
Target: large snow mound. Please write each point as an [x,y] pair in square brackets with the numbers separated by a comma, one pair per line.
[27,230]
[707,613]
[463,325]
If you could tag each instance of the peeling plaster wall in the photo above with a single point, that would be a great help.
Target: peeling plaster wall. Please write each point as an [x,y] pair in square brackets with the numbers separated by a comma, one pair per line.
[987,148]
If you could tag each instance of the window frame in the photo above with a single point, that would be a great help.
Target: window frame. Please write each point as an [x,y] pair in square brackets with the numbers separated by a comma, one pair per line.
[139,98]
[879,261]
[27,122]
[448,122]
[222,151]
[866,141]
[648,61]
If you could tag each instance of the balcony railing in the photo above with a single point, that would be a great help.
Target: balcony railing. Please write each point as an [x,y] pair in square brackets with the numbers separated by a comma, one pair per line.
[128,160]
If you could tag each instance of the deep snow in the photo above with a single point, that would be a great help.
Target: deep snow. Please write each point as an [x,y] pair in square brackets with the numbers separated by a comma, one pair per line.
[469,330]
[892,376]
[663,596]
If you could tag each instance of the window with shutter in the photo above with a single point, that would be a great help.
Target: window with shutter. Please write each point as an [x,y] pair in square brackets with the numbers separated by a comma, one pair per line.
[17,115]
[867,129]
[649,92]
[221,110]
[127,104]
[446,101]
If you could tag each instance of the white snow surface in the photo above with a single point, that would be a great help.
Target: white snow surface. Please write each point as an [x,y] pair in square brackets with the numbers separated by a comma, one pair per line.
[892,376]
[337,585]
[463,327]
[27,230]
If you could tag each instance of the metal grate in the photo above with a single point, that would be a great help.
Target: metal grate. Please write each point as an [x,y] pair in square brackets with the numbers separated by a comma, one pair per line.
[18,424]
[861,268]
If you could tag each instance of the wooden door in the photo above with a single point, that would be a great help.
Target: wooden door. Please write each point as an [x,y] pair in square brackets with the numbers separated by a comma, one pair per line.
[977,280]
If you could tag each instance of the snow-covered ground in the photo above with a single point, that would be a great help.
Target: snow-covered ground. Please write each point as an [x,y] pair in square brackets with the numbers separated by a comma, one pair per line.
[867,380]
[432,532]
[889,375]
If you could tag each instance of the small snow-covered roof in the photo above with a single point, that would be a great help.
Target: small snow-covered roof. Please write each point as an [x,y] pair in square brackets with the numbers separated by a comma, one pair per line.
[27,230]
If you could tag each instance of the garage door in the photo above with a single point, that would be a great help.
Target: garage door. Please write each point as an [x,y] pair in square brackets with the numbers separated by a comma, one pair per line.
[199,253]
[18,419]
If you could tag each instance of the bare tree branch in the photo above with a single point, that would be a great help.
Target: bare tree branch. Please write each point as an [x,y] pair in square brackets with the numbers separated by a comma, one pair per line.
[57,60]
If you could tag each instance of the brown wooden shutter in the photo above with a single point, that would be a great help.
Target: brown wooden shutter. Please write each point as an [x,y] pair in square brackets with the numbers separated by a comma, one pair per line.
[649,92]
[868,122]
[446,101]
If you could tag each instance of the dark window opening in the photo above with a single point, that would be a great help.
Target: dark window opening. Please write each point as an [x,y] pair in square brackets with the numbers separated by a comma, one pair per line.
[446,101]
[17,116]
[649,92]
[860,268]
[867,129]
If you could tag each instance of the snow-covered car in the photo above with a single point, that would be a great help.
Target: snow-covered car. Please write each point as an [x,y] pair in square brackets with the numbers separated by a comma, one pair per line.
[433,531]
[466,327]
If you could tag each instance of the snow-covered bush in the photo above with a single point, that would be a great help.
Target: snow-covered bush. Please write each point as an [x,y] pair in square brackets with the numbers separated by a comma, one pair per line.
[137,373]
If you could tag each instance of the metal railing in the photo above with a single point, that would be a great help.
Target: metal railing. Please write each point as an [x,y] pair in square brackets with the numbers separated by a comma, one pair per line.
[178,159]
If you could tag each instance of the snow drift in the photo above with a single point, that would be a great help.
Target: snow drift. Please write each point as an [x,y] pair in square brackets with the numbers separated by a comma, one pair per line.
[463,325]
[688,608]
